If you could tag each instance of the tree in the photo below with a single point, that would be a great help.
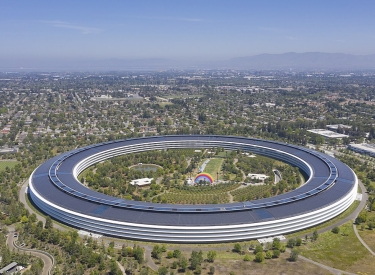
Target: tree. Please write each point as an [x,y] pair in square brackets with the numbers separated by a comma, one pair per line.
[276,244]
[268,254]
[247,258]
[146,271]
[276,253]
[291,243]
[196,259]
[24,219]
[258,248]
[49,223]
[211,255]
[237,248]
[259,257]
[131,266]
[162,270]
[138,254]
[315,235]
[156,252]
[362,217]
[176,253]
[115,270]
[39,225]
[182,263]
[294,255]
[335,230]
[298,242]
[32,218]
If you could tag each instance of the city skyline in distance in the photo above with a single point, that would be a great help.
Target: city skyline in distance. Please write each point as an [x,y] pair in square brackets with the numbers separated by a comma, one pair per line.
[56,34]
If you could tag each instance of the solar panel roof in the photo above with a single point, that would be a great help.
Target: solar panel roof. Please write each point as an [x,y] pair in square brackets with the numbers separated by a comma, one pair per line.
[81,199]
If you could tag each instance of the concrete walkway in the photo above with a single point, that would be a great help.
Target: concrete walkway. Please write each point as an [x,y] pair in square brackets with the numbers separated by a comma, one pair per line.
[148,248]
[363,202]
[149,260]
[48,260]
[362,241]
[330,269]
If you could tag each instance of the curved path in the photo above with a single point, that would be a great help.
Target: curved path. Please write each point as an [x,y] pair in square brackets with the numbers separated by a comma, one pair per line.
[362,241]
[148,248]
[149,260]
[363,203]
[47,260]
[330,269]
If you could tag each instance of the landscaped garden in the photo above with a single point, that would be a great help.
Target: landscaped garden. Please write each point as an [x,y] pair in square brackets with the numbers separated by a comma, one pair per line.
[173,172]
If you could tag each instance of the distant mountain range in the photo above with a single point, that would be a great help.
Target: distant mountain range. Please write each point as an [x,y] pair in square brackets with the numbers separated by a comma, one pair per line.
[297,61]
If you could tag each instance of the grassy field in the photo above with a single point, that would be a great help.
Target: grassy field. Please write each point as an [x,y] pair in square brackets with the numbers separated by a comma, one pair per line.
[163,104]
[183,96]
[228,261]
[368,235]
[271,266]
[214,166]
[7,163]
[342,251]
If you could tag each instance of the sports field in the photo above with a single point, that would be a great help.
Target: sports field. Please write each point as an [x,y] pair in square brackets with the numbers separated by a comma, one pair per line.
[7,163]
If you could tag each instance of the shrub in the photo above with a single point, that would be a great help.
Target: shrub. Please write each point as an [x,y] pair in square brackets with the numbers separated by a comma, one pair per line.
[237,248]
[258,249]
[291,243]
[247,258]
[298,242]
[268,254]
[294,255]
[259,257]
[276,253]
[335,230]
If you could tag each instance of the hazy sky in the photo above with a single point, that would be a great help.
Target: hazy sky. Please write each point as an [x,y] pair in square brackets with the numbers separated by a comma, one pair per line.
[177,29]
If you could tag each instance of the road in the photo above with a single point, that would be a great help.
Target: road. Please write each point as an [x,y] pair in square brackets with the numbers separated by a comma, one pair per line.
[148,248]
[47,261]
[277,175]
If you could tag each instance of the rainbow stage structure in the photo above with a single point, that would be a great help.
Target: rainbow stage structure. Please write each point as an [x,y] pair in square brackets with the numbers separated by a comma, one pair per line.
[205,177]
[330,189]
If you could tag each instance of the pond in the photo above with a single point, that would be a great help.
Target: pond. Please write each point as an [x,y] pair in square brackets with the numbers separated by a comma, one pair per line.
[146,167]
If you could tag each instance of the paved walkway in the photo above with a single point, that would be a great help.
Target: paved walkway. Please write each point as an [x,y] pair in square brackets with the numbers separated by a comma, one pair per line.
[364,200]
[149,260]
[330,269]
[362,241]
[148,248]
[47,260]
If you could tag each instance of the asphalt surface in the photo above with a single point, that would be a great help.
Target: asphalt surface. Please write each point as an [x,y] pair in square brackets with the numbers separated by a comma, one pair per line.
[148,248]
[46,260]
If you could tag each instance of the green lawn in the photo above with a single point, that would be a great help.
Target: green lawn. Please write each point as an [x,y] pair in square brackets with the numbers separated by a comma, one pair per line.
[214,166]
[366,234]
[7,163]
[182,96]
[342,251]
[163,104]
